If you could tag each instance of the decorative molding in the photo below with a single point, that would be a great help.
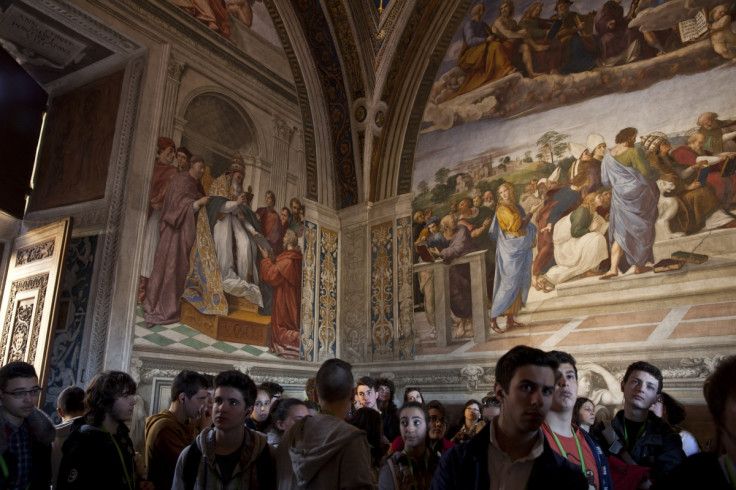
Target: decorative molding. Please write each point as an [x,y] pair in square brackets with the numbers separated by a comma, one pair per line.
[327,332]
[404,277]
[175,70]
[111,241]
[382,292]
[35,252]
[308,288]
[354,334]
[282,129]
[18,339]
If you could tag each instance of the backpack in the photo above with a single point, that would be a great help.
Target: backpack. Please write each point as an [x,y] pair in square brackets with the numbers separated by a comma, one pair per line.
[263,463]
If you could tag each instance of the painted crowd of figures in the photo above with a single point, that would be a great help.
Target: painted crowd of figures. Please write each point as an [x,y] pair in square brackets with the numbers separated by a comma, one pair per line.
[203,243]
[570,42]
[599,217]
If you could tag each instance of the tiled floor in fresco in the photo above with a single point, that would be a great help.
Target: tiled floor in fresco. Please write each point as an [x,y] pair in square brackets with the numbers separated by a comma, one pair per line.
[178,336]
[664,324]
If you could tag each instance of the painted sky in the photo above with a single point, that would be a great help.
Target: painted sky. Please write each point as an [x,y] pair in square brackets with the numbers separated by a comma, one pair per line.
[671,106]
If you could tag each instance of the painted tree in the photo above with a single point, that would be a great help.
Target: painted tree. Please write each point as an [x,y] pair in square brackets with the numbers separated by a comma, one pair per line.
[423,187]
[553,144]
[440,176]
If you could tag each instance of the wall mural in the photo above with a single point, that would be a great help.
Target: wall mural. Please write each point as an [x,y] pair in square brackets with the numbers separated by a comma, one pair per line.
[227,17]
[525,153]
[212,263]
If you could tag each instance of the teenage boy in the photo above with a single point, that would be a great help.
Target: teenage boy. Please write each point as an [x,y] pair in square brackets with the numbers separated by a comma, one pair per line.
[636,435]
[367,392]
[99,452]
[567,440]
[27,434]
[385,391]
[170,431]
[512,452]
[228,455]
[69,406]
[324,451]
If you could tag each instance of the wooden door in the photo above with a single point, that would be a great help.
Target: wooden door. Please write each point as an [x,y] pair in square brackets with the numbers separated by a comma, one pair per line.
[31,295]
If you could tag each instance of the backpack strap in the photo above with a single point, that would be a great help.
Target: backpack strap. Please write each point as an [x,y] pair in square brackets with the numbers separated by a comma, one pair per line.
[191,465]
[615,445]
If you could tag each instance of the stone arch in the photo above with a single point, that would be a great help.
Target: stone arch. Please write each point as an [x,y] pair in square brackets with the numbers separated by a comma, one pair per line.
[217,127]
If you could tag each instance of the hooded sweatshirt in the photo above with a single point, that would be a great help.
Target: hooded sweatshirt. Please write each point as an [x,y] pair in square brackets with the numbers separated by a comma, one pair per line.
[246,471]
[166,438]
[323,452]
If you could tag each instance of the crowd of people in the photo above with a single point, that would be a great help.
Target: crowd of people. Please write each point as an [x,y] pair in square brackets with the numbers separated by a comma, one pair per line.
[598,216]
[225,432]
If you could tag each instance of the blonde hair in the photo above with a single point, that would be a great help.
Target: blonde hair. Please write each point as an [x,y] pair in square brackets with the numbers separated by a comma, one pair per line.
[511,189]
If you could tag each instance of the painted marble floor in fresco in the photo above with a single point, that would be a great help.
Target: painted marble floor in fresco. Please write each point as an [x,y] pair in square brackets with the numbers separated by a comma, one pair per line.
[179,337]
[674,325]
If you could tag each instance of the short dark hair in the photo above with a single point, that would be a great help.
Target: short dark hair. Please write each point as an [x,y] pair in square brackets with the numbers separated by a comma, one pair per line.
[625,135]
[71,400]
[409,389]
[564,358]
[280,409]
[366,381]
[102,392]
[241,382]
[388,384]
[16,369]
[521,355]
[189,383]
[335,380]
[436,404]
[647,368]
[718,387]
[272,388]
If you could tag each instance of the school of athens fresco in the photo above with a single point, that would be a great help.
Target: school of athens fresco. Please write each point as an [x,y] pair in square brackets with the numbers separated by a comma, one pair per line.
[531,120]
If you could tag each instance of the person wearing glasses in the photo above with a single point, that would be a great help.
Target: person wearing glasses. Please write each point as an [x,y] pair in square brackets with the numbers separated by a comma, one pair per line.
[28,432]
[259,418]
[471,423]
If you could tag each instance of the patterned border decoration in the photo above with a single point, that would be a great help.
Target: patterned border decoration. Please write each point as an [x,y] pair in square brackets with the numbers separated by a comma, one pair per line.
[346,42]
[406,165]
[405,285]
[39,282]
[354,340]
[324,55]
[382,292]
[310,153]
[327,333]
[114,223]
[35,252]
[308,284]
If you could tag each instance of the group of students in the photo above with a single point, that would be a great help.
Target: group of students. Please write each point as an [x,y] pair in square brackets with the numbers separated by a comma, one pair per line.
[530,443]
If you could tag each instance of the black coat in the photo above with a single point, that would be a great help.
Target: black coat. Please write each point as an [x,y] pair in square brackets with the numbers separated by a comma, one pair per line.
[42,435]
[465,466]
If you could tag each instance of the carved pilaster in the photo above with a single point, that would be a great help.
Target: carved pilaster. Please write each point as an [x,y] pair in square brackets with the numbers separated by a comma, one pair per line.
[174,72]
[281,136]
[404,286]
[309,273]
[327,296]
[382,292]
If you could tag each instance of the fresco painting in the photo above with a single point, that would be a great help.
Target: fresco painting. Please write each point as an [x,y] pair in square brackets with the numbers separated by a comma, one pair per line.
[225,17]
[608,121]
[214,263]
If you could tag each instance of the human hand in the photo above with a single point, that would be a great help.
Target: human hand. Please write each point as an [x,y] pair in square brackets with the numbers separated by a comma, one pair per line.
[203,201]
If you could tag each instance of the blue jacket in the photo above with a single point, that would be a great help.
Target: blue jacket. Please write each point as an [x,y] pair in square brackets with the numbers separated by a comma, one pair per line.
[465,467]
[604,472]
